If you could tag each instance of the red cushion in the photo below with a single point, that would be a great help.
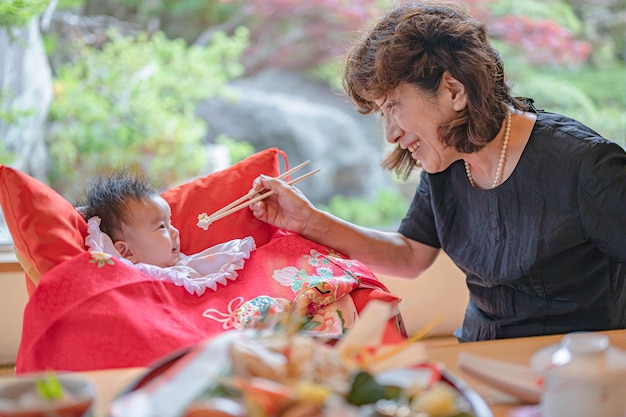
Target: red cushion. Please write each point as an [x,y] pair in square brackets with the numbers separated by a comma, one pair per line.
[211,193]
[47,229]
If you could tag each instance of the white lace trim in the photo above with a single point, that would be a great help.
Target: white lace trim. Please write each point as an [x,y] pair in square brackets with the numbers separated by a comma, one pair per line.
[215,265]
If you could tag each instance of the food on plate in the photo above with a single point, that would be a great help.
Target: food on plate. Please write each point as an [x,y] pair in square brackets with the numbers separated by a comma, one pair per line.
[293,375]
[439,401]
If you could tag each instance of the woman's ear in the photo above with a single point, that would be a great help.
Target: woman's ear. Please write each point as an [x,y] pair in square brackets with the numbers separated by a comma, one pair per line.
[124,250]
[456,91]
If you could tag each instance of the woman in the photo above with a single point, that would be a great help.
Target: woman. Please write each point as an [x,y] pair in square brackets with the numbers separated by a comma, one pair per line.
[530,205]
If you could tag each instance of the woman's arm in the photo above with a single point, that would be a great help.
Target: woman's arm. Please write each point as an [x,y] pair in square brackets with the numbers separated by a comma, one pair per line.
[388,253]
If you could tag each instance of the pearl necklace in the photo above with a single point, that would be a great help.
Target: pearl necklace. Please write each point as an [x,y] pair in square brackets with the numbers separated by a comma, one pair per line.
[505,146]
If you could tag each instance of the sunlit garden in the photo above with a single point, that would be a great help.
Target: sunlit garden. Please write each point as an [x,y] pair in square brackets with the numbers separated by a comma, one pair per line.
[124,77]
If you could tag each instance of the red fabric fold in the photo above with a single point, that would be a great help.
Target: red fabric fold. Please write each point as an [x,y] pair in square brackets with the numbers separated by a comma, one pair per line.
[86,315]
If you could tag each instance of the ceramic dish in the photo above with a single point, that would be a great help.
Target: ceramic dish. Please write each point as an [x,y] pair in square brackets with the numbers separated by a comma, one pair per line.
[20,398]
[473,403]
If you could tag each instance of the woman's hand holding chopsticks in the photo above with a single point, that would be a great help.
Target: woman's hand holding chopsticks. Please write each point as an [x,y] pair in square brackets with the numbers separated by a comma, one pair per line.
[287,208]
[252,197]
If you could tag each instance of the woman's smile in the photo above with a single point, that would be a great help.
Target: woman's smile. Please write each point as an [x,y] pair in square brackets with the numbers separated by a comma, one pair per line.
[413,147]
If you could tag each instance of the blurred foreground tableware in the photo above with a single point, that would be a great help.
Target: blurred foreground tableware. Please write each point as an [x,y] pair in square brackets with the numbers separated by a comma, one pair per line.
[518,380]
[19,397]
[582,376]
[201,381]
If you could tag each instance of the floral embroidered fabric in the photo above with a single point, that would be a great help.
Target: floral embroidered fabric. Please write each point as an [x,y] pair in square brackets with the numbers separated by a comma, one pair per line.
[97,312]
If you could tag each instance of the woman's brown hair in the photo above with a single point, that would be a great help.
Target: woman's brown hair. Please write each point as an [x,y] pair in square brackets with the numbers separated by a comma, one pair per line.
[416,43]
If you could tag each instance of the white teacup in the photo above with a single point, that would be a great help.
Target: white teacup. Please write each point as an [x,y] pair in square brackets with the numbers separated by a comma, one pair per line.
[583,376]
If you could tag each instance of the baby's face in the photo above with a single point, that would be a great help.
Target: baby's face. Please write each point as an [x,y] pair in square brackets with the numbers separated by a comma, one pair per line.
[150,237]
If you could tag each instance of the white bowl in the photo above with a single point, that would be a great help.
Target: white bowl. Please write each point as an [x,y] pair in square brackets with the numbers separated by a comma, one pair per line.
[19,397]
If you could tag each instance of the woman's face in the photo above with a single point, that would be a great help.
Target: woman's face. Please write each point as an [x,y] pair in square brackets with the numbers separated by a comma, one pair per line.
[412,121]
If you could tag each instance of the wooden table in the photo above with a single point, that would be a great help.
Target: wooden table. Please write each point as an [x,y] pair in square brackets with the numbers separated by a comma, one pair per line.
[110,382]
[517,350]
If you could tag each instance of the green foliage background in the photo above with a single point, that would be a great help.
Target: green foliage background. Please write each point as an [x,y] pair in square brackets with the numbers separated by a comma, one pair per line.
[16,13]
[383,211]
[132,103]
[594,92]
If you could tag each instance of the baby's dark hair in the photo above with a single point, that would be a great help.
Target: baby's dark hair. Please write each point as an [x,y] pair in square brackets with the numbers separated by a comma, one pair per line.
[108,195]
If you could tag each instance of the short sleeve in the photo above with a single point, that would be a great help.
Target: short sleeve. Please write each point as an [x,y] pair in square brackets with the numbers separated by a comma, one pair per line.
[419,222]
[602,198]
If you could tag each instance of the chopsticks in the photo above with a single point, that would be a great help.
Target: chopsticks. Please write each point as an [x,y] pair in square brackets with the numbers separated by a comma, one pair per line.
[241,202]
[235,209]
[254,192]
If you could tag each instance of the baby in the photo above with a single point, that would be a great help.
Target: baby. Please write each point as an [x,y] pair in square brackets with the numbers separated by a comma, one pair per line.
[128,219]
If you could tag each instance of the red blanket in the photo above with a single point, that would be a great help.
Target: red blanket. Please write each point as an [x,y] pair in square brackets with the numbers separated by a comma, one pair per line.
[88,314]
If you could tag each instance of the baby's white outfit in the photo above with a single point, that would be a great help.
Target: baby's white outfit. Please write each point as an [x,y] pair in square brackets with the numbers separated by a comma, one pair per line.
[215,265]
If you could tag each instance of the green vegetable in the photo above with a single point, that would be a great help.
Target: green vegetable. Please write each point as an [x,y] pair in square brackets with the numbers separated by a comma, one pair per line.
[49,387]
[365,390]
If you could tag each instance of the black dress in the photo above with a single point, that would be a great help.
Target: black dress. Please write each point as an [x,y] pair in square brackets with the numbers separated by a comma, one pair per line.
[544,252]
